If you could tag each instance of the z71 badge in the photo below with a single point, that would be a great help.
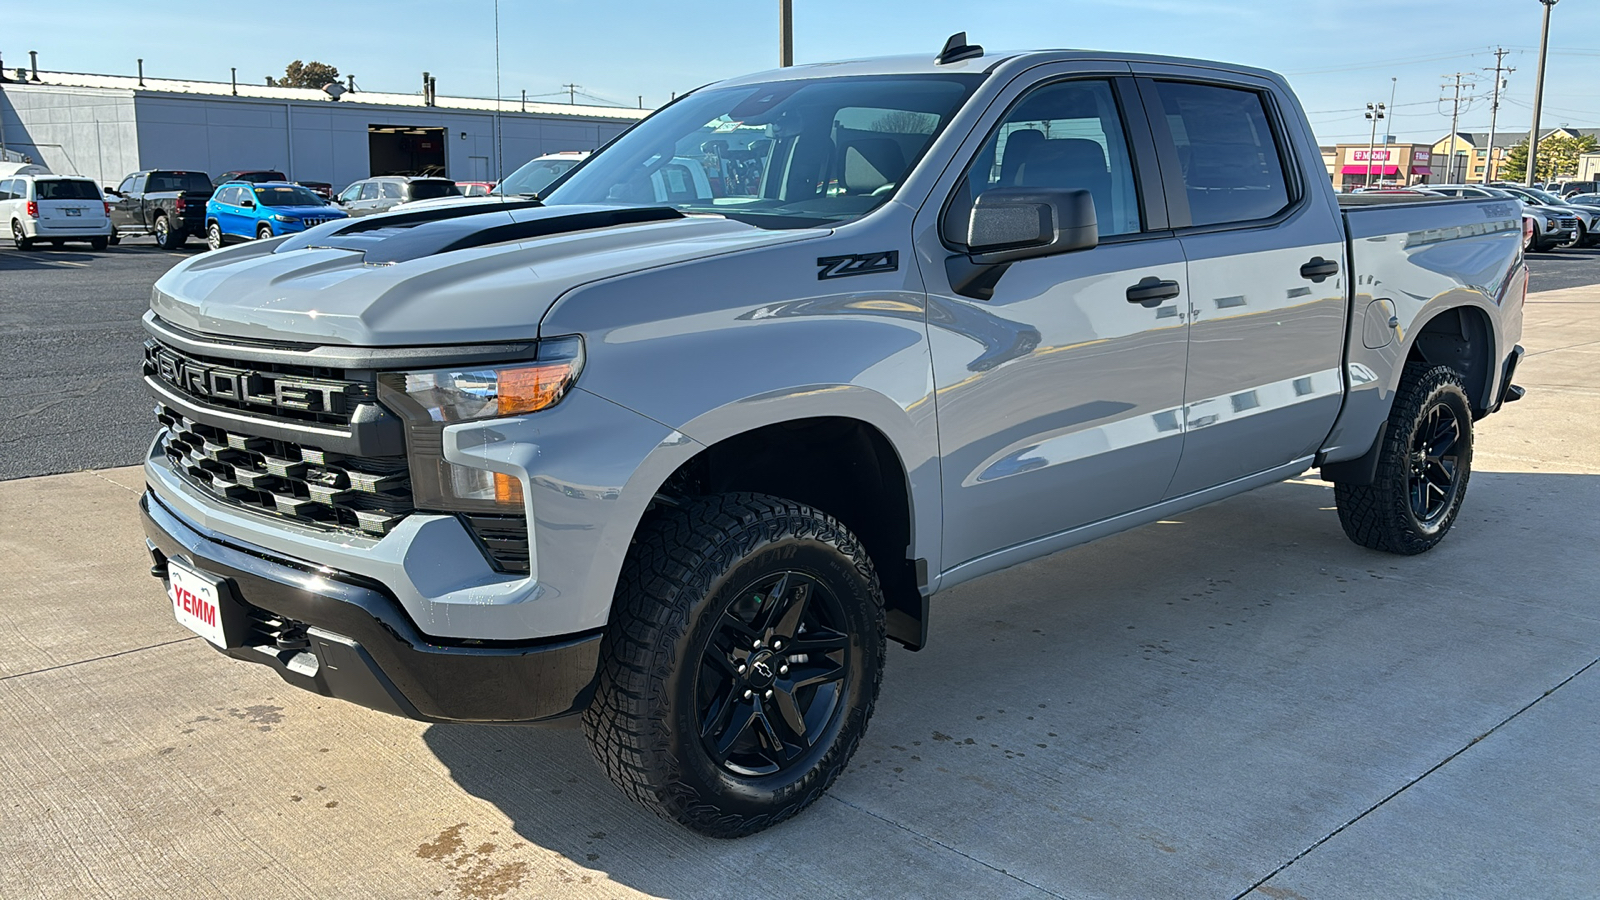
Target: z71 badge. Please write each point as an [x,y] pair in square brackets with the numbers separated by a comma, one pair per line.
[857,264]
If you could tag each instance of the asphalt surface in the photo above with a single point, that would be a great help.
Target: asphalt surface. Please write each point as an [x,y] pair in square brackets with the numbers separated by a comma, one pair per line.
[1236,702]
[70,347]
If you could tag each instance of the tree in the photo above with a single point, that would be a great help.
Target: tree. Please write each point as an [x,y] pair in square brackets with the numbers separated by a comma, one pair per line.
[1558,155]
[313,75]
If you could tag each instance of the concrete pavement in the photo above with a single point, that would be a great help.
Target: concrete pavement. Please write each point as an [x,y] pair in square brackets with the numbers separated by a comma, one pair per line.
[1235,701]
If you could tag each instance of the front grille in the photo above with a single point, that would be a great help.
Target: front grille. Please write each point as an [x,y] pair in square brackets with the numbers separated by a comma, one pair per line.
[297,482]
[313,394]
[310,222]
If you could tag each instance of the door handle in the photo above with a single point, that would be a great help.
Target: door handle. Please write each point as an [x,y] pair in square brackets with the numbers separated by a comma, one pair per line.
[1151,292]
[1319,269]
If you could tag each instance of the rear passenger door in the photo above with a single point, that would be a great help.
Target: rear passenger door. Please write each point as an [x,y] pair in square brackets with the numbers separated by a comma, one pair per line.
[1265,249]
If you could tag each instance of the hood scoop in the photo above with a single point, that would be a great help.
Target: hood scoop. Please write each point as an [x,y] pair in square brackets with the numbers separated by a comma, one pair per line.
[395,238]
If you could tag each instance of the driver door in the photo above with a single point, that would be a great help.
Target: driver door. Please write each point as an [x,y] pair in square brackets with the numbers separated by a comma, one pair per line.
[1059,395]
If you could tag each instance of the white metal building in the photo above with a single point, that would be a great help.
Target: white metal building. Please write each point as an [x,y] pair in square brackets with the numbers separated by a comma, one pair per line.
[106,126]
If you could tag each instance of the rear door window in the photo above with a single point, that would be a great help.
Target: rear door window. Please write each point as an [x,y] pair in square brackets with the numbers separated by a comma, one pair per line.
[391,191]
[67,189]
[1231,161]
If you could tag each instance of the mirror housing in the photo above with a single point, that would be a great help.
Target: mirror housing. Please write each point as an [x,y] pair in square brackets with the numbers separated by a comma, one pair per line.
[112,192]
[1010,224]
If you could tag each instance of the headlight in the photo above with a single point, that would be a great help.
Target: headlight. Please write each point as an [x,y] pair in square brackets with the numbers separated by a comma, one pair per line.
[286,218]
[430,400]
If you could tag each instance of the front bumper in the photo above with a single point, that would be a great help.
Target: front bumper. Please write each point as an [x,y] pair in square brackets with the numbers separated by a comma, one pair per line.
[345,636]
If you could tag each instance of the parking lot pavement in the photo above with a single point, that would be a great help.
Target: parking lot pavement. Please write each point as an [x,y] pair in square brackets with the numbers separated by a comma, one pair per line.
[1235,700]
[70,345]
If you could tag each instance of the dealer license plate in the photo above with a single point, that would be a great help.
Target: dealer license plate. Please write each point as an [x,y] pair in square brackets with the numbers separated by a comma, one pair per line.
[195,603]
[74,212]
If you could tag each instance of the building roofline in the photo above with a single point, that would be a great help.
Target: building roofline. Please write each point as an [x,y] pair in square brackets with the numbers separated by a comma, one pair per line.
[226,91]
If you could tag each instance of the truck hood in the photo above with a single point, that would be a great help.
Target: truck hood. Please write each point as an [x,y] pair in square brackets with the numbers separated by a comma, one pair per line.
[440,276]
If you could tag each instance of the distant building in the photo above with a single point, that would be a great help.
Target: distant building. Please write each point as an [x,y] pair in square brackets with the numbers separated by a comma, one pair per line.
[1472,156]
[1383,165]
[105,126]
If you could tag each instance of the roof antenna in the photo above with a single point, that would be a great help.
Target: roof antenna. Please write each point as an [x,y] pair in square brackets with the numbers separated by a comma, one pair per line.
[956,49]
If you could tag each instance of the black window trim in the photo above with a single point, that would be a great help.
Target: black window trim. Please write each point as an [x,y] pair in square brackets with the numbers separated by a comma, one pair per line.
[1153,205]
[1167,152]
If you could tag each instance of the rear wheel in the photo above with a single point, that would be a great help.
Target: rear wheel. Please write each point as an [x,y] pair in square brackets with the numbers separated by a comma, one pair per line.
[263,232]
[19,237]
[1423,467]
[167,237]
[214,235]
[99,243]
[742,662]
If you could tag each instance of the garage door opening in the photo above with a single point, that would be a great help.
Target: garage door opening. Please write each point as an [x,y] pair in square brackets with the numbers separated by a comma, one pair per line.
[405,150]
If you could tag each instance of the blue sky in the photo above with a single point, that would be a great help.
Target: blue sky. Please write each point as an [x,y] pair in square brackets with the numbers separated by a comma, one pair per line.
[1338,55]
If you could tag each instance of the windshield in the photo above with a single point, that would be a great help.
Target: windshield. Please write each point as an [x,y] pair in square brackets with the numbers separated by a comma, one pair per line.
[67,190]
[789,154]
[427,190]
[287,195]
[178,181]
[534,177]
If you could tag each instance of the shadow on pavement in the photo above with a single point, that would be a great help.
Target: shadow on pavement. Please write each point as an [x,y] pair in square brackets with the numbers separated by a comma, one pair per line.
[1178,709]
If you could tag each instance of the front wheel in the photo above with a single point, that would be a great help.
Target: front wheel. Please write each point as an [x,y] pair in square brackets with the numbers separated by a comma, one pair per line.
[214,235]
[742,662]
[263,232]
[1423,467]
[1579,238]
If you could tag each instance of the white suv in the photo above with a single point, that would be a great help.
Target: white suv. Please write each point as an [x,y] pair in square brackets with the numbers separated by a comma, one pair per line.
[54,208]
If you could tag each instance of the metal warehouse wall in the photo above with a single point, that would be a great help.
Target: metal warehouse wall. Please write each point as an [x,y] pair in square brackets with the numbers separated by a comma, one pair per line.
[327,141]
[73,131]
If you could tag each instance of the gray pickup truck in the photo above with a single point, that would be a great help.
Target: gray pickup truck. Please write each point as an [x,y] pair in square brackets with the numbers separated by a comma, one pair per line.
[680,448]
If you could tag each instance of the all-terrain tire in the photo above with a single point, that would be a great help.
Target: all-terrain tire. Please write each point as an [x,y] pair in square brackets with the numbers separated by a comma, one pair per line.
[690,570]
[1406,509]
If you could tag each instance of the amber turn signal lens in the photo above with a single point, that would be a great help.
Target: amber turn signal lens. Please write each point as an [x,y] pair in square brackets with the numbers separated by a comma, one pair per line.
[532,388]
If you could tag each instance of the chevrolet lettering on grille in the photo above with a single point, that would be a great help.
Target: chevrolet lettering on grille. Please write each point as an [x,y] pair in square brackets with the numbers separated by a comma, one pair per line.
[211,381]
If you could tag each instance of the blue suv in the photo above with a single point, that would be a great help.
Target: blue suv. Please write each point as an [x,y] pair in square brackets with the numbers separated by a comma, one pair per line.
[240,210]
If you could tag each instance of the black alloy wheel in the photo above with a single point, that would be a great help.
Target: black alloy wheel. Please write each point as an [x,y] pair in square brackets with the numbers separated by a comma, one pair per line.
[1424,465]
[772,676]
[742,661]
[1431,482]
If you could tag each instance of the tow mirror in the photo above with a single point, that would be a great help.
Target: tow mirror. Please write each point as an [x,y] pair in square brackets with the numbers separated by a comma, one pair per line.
[112,191]
[1010,224]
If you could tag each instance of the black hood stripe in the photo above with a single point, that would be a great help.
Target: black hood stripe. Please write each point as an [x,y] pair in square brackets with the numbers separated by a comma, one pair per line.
[395,238]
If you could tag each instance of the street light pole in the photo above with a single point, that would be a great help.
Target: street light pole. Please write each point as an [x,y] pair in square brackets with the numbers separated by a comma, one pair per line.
[1538,92]
[1375,115]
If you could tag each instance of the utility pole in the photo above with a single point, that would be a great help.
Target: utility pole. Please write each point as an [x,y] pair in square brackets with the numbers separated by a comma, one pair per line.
[1375,115]
[1455,118]
[1538,92]
[572,92]
[1494,109]
[1394,85]
[785,33]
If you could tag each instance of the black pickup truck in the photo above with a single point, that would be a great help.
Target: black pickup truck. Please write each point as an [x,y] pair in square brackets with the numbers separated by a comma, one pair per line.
[168,205]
